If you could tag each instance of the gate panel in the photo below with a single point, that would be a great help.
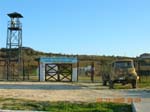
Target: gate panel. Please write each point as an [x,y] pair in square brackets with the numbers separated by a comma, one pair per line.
[65,72]
[58,72]
[51,71]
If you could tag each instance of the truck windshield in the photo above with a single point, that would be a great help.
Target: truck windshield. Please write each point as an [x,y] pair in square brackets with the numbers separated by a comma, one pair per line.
[124,64]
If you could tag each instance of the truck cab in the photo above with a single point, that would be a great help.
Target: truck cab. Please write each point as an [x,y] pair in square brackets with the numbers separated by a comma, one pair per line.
[123,71]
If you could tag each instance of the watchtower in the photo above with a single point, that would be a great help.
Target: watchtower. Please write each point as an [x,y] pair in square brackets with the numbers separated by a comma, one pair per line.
[14,47]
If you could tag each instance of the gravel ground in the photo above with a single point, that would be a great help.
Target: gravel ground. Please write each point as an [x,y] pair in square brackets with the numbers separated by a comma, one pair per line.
[86,92]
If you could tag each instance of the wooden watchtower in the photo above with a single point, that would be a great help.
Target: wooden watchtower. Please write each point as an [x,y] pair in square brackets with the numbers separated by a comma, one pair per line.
[14,47]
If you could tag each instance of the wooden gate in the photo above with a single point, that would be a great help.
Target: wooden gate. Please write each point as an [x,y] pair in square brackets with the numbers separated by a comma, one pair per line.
[58,72]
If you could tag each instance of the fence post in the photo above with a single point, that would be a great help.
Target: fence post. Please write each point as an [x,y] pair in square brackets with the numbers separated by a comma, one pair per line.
[92,72]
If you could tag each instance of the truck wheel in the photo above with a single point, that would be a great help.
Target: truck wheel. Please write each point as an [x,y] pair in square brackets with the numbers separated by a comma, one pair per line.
[134,83]
[104,83]
[111,84]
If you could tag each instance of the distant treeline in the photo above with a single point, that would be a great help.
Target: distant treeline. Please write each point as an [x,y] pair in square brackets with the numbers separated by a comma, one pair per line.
[30,56]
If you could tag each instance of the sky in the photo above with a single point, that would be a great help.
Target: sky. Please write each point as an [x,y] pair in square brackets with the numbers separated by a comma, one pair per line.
[91,27]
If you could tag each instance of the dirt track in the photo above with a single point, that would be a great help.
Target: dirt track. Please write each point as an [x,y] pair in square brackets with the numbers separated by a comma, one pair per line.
[46,91]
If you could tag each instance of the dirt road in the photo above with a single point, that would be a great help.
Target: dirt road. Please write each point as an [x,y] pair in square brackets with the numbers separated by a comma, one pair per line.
[92,92]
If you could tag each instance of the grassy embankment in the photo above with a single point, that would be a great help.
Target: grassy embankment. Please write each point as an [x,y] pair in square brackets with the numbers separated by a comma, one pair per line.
[18,104]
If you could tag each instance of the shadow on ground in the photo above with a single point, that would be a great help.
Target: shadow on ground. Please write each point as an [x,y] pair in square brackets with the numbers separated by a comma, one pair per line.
[138,93]
[40,87]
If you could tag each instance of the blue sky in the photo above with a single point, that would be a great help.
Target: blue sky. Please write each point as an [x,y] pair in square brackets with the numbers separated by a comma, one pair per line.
[93,27]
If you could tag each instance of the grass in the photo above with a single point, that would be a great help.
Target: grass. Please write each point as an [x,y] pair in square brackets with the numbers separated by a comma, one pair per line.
[19,104]
[88,79]
[144,85]
[120,86]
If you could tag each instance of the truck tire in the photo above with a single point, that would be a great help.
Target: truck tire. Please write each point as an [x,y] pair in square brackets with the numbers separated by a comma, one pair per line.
[104,83]
[105,78]
[111,84]
[134,84]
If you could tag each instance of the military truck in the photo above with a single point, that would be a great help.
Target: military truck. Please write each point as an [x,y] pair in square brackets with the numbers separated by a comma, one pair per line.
[143,64]
[123,71]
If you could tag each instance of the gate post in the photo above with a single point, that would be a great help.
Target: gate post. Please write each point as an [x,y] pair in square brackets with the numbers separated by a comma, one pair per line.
[74,75]
[42,72]
[92,72]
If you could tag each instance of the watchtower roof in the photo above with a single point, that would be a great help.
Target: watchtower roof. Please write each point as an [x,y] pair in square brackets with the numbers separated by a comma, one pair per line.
[15,15]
